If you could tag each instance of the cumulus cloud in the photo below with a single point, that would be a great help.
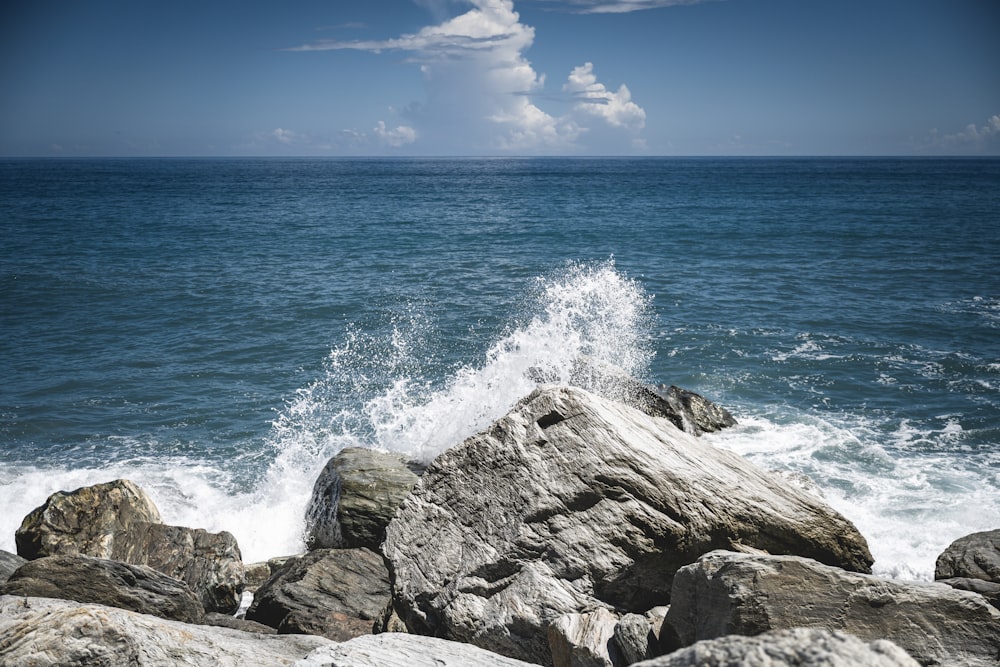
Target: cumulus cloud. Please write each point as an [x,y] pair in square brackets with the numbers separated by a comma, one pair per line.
[480,86]
[594,98]
[971,140]
[395,137]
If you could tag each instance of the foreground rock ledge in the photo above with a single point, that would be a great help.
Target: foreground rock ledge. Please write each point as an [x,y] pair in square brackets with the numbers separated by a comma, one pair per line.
[728,593]
[571,503]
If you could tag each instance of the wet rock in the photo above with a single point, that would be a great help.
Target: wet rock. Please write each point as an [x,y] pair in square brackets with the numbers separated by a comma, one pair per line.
[40,632]
[799,647]
[107,582]
[84,521]
[336,593]
[573,502]
[729,593]
[975,556]
[355,497]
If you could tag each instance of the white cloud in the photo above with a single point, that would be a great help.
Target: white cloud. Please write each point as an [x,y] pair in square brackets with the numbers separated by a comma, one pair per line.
[971,140]
[286,136]
[480,86]
[396,137]
[617,109]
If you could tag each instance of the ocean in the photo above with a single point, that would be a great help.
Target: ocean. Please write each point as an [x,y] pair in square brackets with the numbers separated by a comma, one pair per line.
[216,329]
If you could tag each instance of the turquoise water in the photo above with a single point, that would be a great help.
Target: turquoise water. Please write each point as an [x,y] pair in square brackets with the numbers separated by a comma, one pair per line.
[216,329]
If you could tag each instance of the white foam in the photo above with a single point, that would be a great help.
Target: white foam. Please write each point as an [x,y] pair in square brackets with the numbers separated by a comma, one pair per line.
[909,507]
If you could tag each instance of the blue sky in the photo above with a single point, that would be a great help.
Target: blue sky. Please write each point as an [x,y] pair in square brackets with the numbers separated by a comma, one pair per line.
[499,77]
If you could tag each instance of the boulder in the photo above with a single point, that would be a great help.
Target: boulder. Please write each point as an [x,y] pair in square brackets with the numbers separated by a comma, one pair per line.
[39,632]
[730,593]
[634,639]
[258,573]
[573,502]
[107,582]
[336,593]
[975,556]
[798,647]
[119,521]
[355,497]
[584,640]
[401,650]
[84,521]
[8,563]
[210,563]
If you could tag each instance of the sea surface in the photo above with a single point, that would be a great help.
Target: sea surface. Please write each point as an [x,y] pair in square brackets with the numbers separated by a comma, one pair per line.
[215,329]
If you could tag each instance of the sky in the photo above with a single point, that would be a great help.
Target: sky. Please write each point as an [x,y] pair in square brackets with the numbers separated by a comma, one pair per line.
[499,77]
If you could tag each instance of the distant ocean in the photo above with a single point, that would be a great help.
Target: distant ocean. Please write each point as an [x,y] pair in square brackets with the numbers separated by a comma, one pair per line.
[215,330]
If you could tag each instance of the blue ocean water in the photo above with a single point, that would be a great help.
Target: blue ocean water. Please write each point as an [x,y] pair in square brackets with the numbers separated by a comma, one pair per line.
[217,329]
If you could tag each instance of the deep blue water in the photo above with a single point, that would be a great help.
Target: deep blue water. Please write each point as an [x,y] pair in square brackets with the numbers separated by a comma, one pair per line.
[216,329]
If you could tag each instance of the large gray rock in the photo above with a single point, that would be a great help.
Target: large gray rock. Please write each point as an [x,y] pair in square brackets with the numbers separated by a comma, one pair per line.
[8,563]
[119,521]
[573,502]
[401,650]
[39,632]
[210,563]
[101,581]
[975,556]
[799,647]
[336,593]
[84,521]
[355,497]
[729,593]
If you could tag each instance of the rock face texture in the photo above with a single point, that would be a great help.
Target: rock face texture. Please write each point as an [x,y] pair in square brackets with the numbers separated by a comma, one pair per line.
[336,593]
[100,581]
[118,521]
[729,593]
[84,521]
[398,650]
[40,632]
[573,502]
[975,556]
[800,647]
[355,497]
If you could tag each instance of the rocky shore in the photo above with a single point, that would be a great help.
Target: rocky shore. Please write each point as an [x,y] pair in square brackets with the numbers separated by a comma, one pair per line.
[587,527]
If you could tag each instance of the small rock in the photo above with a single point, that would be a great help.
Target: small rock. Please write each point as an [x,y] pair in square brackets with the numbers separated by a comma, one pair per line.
[583,640]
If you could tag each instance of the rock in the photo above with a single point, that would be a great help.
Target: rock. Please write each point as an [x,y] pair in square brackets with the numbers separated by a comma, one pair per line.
[583,640]
[8,563]
[336,593]
[634,639]
[355,497]
[119,521]
[226,621]
[573,502]
[401,650]
[84,521]
[210,563]
[975,556]
[988,589]
[729,593]
[257,573]
[38,632]
[688,411]
[798,647]
[107,582]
